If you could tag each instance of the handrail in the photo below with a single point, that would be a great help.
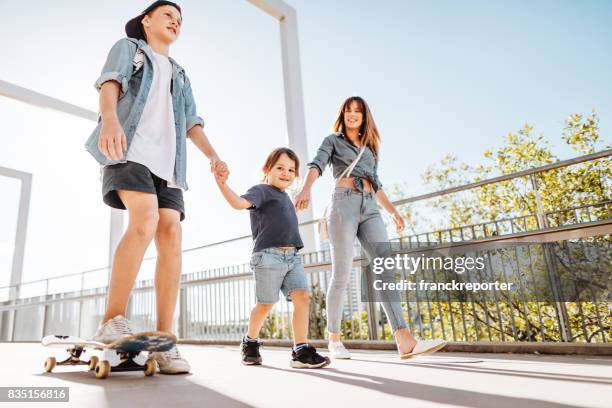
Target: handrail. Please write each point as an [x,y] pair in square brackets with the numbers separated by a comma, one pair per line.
[534,170]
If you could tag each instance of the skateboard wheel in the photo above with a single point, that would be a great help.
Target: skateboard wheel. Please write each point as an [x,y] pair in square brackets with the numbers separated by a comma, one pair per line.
[103,369]
[50,364]
[93,361]
[150,367]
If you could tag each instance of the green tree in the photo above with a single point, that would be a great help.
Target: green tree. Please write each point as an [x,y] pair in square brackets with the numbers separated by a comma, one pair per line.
[573,194]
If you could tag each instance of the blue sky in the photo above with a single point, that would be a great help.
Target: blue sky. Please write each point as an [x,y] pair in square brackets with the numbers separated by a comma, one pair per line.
[441,77]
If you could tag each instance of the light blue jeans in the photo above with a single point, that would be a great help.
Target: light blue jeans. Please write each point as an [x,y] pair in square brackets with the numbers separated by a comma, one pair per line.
[277,270]
[355,214]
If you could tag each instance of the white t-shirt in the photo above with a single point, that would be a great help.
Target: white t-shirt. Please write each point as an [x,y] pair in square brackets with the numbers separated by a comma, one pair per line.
[154,143]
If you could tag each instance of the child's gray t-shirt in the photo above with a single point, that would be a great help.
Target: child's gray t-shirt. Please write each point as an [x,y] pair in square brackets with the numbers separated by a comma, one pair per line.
[274,222]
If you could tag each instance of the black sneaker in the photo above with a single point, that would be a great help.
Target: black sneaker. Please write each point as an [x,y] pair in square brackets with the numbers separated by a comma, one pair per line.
[250,352]
[307,357]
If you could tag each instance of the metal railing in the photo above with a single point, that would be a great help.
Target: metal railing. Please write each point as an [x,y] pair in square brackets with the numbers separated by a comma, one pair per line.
[215,303]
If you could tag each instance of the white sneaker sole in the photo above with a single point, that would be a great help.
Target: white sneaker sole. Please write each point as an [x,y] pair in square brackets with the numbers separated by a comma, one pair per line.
[435,346]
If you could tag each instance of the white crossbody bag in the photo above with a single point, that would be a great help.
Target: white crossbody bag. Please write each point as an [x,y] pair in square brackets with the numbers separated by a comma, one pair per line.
[322,227]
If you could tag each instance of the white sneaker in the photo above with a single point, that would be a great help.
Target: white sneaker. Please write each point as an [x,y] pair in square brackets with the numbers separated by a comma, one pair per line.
[337,350]
[171,362]
[112,330]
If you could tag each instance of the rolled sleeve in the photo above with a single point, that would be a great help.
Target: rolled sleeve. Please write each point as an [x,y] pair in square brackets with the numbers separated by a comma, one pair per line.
[112,76]
[191,116]
[323,157]
[118,66]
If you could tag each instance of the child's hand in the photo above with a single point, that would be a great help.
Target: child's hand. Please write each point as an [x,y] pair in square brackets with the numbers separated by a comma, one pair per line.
[221,177]
[112,142]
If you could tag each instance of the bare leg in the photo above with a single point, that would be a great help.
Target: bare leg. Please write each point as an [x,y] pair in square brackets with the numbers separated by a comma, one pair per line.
[405,341]
[143,217]
[168,268]
[258,316]
[300,299]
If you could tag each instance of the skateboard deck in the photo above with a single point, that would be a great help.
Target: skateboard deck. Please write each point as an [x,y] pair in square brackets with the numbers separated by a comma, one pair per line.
[145,341]
[58,341]
[124,354]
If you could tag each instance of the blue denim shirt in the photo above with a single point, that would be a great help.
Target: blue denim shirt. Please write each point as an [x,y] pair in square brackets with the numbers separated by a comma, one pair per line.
[340,152]
[135,85]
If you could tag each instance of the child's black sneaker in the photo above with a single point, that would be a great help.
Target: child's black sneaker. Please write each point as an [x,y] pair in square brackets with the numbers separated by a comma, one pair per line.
[307,357]
[250,352]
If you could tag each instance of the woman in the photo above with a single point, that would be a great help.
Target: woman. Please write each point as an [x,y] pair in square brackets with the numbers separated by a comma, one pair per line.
[354,213]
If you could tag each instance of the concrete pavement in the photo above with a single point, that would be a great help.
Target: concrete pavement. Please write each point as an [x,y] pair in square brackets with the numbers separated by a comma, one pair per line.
[371,379]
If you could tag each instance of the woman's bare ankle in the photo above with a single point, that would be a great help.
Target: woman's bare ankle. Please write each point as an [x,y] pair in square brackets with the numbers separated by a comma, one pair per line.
[405,340]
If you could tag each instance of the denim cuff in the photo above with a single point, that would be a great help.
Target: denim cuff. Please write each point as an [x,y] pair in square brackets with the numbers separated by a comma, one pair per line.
[316,165]
[112,76]
[194,120]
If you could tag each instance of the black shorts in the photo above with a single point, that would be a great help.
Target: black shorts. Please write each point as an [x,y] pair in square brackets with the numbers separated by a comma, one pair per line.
[134,176]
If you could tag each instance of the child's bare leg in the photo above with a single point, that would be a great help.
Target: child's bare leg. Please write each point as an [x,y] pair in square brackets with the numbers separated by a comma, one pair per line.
[143,217]
[258,317]
[168,268]
[300,299]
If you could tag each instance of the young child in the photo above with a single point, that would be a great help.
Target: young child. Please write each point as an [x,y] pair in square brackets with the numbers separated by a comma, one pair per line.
[275,261]
[147,112]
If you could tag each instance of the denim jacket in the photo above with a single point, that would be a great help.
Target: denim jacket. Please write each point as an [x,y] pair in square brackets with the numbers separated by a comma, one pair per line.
[340,152]
[135,83]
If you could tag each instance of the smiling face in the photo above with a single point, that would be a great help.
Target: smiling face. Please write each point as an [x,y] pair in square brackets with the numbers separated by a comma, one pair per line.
[163,23]
[282,173]
[353,116]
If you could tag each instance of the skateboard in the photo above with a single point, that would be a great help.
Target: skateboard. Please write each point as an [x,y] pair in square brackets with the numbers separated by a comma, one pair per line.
[129,353]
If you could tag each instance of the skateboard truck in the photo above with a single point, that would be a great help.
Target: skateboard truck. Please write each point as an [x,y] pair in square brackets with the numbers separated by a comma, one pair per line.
[74,358]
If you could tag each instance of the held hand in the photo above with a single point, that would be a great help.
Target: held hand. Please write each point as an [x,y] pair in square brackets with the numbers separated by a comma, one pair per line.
[302,200]
[221,177]
[112,142]
[218,166]
[399,222]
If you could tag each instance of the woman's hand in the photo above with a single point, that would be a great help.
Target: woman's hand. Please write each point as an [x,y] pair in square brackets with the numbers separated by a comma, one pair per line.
[218,167]
[399,221]
[302,200]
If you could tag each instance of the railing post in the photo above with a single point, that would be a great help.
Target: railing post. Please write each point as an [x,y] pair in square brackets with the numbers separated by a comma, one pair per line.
[560,309]
[540,216]
[128,308]
[44,322]
[371,306]
[81,304]
[182,329]
[12,324]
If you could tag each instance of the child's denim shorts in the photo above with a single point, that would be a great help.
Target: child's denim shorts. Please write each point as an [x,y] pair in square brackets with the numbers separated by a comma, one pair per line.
[277,270]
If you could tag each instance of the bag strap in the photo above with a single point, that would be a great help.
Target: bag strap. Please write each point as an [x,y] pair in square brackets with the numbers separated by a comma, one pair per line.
[347,172]
[138,58]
